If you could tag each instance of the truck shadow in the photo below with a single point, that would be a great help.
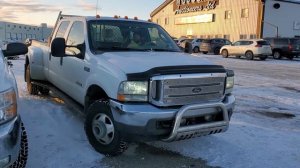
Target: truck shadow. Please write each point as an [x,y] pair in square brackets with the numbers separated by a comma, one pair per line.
[146,156]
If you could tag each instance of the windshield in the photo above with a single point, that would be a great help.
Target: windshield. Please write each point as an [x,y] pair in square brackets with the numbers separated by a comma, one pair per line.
[129,36]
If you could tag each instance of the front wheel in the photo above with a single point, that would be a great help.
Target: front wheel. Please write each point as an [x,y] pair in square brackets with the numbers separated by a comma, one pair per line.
[196,49]
[101,130]
[225,53]
[249,55]
[23,154]
[277,55]
[217,51]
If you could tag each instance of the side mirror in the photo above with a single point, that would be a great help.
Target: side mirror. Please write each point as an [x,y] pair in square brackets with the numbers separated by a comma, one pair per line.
[58,47]
[188,48]
[13,49]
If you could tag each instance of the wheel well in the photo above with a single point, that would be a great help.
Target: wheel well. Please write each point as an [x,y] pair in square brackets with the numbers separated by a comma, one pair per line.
[248,51]
[94,93]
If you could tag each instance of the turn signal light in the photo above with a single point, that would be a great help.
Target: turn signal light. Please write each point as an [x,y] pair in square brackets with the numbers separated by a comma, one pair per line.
[98,16]
[135,18]
[126,17]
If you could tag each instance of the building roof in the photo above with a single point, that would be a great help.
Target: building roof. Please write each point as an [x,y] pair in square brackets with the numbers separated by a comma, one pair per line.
[163,5]
[167,2]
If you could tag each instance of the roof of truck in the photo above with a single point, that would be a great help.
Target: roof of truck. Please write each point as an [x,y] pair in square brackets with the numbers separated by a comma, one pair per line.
[89,18]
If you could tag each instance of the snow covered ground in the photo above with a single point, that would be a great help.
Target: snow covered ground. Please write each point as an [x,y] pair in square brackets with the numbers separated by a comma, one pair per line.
[264,131]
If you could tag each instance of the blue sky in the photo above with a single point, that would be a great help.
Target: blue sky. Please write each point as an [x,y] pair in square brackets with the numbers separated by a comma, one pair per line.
[45,11]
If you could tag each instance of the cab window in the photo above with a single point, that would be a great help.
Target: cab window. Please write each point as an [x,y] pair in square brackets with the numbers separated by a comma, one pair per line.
[75,40]
[62,29]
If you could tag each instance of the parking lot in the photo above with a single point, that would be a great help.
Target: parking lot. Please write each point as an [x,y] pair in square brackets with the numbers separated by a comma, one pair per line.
[264,131]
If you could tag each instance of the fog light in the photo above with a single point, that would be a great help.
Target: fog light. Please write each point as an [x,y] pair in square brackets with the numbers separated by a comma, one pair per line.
[208,117]
[4,161]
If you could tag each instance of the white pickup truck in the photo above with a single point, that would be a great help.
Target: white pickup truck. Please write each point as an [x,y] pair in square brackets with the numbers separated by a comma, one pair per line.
[13,138]
[132,80]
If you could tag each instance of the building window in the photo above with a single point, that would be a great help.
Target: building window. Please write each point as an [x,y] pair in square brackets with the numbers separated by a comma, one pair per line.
[8,25]
[245,13]
[228,14]
[29,28]
[20,27]
[15,26]
[226,36]
[243,36]
[210,36]
[218,36]
[166,21]
[157,21]
[253,36]
[25,27]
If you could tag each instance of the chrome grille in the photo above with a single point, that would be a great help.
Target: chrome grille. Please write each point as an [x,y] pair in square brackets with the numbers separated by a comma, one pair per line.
[171,90]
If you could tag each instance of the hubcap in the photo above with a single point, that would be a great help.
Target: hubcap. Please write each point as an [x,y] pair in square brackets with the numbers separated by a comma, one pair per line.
[276,54]
[103,129]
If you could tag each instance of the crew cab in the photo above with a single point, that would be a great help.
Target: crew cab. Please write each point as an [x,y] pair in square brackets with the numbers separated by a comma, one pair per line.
[132,80]
[13,138]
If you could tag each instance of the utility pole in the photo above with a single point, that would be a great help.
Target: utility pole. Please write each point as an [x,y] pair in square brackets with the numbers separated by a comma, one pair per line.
[97,7]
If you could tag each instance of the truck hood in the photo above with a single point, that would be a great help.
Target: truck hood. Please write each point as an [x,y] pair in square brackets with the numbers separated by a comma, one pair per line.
[135,62]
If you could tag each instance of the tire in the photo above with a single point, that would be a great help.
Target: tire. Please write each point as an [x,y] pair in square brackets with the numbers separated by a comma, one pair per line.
[225,53]
[196,49]
[217,51]
[277,55]
[23,154]
[263,57]
[31,88]
[99,119]
[204,52]
[249,55]
[290,57]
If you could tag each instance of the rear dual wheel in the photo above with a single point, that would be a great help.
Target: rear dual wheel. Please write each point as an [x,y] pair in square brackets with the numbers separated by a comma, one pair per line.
[34,89]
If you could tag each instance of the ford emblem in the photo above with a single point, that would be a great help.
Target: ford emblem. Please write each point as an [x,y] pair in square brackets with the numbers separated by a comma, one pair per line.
[196,90]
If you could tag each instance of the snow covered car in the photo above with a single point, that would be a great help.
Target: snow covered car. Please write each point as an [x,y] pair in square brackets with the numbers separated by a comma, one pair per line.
[131,80]
[13,138]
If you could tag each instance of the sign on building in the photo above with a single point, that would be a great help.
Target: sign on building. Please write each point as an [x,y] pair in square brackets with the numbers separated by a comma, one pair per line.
[187,6]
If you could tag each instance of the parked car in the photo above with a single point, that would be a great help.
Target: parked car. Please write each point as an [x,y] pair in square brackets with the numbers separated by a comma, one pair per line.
[284,47]
[13,138]
[248,48]
[180,40]
[196,44]
[183,43]
[213,45]
[167,95]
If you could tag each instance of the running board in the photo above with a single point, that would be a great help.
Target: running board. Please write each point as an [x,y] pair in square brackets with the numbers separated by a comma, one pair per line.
[71,103]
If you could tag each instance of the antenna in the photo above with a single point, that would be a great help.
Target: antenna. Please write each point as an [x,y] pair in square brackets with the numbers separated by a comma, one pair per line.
[97,7]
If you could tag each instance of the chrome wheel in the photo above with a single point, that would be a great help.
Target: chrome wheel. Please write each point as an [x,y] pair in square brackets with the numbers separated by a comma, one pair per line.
[277,55]
[103,129]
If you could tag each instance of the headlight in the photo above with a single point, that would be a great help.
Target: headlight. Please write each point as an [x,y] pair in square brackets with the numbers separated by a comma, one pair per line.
[133,91]
[8,105]
[229,84]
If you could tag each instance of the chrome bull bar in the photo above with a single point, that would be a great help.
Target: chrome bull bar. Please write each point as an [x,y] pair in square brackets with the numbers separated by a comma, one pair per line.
[179,133]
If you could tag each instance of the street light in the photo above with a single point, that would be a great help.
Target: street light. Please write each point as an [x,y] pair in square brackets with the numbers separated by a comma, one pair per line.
[276,27]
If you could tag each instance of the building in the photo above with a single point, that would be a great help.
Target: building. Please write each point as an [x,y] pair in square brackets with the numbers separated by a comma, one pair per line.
[20,32]
[230,19]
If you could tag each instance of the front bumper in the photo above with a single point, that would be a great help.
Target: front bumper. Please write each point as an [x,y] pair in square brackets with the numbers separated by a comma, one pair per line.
[140,122]
[10,140]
